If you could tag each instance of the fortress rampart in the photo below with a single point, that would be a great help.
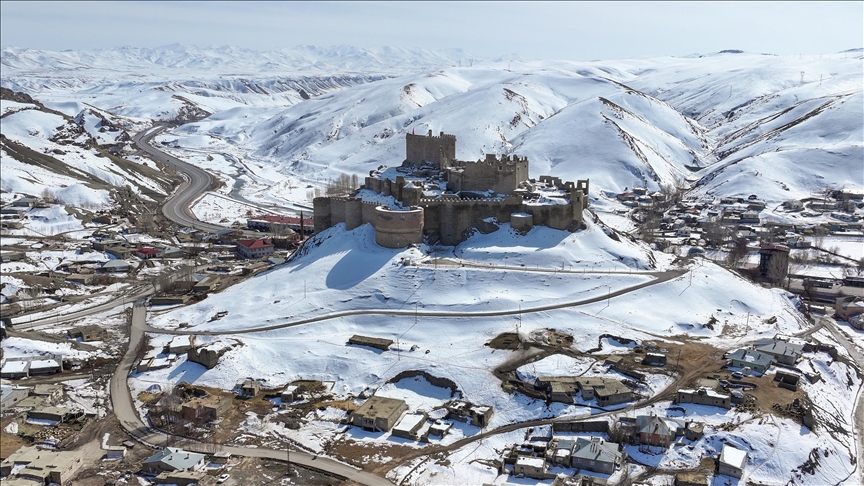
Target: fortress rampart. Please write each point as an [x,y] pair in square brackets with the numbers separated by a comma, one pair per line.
[450,218]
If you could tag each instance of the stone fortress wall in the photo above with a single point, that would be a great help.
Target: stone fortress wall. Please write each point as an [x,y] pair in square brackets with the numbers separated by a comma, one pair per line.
[449,217]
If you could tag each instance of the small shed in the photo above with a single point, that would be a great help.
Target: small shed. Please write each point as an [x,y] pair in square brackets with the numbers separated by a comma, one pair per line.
[379,343]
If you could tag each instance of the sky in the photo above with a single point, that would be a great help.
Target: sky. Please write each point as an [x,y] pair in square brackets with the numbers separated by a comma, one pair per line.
[529,30]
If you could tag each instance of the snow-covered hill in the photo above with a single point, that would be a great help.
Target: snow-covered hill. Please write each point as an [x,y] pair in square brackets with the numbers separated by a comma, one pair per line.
[738,124]
[46,153]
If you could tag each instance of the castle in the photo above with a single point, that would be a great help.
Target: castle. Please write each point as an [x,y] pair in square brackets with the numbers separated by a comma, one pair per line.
[444,199]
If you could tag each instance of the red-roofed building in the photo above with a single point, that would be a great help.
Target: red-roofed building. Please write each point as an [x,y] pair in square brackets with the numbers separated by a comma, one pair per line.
[256,248]
[147,253]
[272,223]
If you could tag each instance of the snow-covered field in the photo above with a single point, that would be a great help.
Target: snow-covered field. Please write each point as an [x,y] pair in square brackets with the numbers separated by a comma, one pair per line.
[347,271]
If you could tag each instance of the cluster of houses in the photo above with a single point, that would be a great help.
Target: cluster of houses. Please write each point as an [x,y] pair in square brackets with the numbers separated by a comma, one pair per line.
[382,414]
[564,389]
[42,404]
[549,451]
[694,220]
[17,368]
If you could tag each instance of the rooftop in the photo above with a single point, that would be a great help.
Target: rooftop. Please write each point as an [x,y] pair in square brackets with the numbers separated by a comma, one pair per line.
[733,457]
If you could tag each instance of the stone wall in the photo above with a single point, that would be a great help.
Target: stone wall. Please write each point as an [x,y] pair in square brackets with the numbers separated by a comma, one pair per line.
[502,175]
[448,220]
[398,229]
[439,150]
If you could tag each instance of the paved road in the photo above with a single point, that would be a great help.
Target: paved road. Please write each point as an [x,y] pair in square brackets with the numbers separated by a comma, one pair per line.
[858,413]
[660,278]
[197,182]
[22,322]
[124,409]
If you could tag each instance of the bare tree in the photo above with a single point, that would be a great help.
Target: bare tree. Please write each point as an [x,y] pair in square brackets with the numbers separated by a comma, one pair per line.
[738,252]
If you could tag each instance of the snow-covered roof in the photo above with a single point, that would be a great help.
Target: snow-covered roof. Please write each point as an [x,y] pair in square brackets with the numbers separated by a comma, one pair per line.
[15,367]
[43,363]
[537,462]
[733,457]
[409,422]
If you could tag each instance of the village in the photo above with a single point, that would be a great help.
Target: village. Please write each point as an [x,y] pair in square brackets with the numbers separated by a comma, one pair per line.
[628,404]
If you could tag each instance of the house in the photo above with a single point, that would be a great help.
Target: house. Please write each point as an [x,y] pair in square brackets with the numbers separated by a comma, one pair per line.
[786,380]
[410,426]
[53,414]
[612,392]
[595,454]
[530,467]
[86,333]
[180,478]
[846,307]
[290,393]
[14,369]
[694,430]
[49,394]
[147,253]
[113,453]
[732,461]
[255,248]
[440,428]
[24,202]
[173,252]
[115,266]
[250,388]
[182,343]
[42,466]
[783,352]
[379,413]
[654,359]
[79,279]
[173,459]
[205,409]
[658,431]
[773,262]
[44,367]
[11,395]
[380,343]
[476,415]
[704,396]
[747,358]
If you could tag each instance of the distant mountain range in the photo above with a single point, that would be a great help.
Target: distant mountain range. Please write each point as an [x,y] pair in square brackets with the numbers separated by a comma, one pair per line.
[236,60]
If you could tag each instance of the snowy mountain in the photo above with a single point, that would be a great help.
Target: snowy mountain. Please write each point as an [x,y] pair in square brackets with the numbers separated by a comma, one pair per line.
[231,59]
[735,124]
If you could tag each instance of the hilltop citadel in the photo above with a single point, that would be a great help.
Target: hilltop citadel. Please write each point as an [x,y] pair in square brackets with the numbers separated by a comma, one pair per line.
[444,199]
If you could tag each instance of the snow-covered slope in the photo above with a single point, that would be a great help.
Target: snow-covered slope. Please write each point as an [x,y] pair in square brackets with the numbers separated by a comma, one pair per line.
[46,153]
[719,120]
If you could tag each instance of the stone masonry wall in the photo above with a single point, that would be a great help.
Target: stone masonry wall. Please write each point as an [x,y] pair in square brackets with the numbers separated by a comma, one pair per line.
[439,150]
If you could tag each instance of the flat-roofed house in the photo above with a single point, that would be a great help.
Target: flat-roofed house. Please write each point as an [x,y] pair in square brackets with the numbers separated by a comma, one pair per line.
[15,369]
[703,396]
[530,467]
[41,466]
[173,459]
[732,461]
[379,413]
[410,426]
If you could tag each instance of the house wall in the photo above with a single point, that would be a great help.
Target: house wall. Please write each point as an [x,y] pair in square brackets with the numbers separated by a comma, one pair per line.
[596,466]
[728,470]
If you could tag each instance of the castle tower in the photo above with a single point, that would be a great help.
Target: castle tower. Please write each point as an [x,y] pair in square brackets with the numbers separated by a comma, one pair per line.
[438,151]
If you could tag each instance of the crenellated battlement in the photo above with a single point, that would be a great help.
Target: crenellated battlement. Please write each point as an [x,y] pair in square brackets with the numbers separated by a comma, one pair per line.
[450,217]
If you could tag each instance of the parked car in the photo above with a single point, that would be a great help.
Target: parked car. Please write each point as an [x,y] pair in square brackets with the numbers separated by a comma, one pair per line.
[221,479]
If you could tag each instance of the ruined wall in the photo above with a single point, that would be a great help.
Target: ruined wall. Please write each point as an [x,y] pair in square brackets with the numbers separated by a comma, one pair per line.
[398,229]
[439,150]
[501,175]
